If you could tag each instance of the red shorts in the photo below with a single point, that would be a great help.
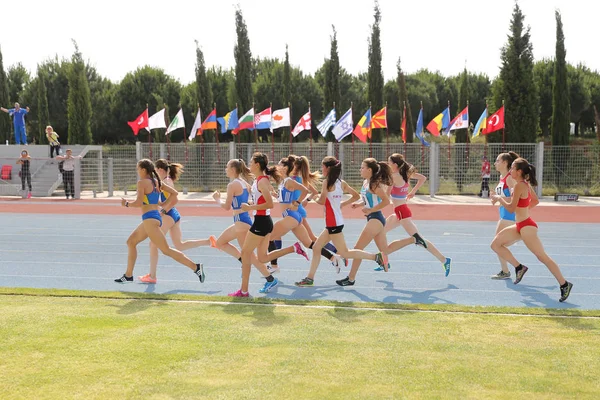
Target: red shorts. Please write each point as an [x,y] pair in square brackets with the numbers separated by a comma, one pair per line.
[402,212]
[524,223]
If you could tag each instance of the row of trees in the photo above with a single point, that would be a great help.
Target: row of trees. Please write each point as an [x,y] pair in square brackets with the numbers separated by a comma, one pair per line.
[541,98]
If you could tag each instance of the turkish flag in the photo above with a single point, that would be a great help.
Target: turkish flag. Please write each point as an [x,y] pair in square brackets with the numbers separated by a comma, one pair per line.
[495,122]
[139,123]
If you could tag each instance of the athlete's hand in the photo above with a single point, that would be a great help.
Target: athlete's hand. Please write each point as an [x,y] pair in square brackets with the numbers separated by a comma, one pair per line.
[304,203]
[366,210]
[356,205]
[216,195]
[495,198]
[245,207]
[410,196]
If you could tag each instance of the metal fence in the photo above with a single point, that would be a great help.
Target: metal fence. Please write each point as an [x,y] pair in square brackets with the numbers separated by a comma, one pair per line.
[451,169]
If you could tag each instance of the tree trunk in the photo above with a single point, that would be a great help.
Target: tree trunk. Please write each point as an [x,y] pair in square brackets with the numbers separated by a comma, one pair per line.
[597,118]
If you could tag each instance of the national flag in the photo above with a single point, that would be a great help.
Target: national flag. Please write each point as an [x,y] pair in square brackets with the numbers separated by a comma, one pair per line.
[403,127]
[461,121]
[303,125]
[280,118]
[481,124]
[379,120]
[495,122]
[246,122]
[343,127]
[440,122]
[419,131]
[176,123]
[157,120]
[229,121]
[196,126]
[140,122]
[363,128]
[327,123]
[262,120]
[210,122]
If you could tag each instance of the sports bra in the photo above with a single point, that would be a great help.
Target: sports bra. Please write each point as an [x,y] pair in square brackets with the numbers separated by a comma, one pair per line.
[297,192]
[524,203]
[258,197]
[286,196]
[503,189]
[237,201]
[370,199]
[152,197]
[400,192]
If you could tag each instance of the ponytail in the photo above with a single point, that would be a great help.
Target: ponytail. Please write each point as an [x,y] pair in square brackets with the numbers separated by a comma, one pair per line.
[174,170]
[381,173]
[150,169]
[404,169]
[263,161]
[241,169]
[273,172]
[302,168]
[509,158]
[335,170]
[527,170]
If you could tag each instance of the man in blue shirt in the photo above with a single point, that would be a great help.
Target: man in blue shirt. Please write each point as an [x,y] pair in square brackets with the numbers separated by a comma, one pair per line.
[18,115]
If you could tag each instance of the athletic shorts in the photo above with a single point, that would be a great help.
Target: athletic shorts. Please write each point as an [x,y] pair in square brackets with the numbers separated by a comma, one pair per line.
[302,211]
[152,214]
[402,212]
[333,230]
[524,223]
[173,213]
[378,216]
[506,215]
[262,226]
[292,213]
[243,217]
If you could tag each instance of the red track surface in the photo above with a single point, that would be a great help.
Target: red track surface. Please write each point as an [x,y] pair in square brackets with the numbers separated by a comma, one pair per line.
[443,212]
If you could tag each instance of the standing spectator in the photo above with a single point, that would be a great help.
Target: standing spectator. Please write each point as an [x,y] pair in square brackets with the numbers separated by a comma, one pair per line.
[68,172]
[18,115]
[485,177]
[25,161]
[53,140]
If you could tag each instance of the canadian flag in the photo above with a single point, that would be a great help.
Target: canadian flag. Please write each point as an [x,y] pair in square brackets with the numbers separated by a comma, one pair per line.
[495,122]
[303,125]
[140,122]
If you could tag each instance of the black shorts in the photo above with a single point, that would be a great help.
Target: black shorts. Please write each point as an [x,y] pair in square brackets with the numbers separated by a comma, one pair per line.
[378,215]
[333,230]
[262,226]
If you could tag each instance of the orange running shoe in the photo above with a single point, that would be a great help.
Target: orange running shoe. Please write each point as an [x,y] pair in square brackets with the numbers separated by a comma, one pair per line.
[147,279]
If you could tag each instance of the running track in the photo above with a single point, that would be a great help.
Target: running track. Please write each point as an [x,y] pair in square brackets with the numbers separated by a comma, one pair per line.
[81,245]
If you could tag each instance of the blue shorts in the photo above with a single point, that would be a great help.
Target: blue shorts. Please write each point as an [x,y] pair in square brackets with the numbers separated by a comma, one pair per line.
[173,213]
[243,217]
[302,211]
[152,214]
[506,215]
[292,213]
[378,216]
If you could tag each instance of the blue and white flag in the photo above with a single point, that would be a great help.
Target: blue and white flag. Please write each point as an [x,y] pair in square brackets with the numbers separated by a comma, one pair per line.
[344,126]
[327,123]
[419,130]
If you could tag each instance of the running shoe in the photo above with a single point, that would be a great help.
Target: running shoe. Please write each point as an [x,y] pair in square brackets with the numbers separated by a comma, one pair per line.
[380,268]
[299,249]
[447,266]
[345,282]
[269,286]
[305,282]
[147,279]
[519,274]
[336,266]
[565,291]
[501,275]
[124,279]
[419,241]
[239,293]
[29,195]
[213,242]
[200,272]
[273,270]
[382,260]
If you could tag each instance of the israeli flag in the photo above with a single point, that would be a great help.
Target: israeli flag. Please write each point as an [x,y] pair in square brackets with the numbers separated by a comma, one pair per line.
[344,126]
[327,123]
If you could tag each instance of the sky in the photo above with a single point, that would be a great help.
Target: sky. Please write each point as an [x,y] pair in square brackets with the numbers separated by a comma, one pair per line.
[119,36]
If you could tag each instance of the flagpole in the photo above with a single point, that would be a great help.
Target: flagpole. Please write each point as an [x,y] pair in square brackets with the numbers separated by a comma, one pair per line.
[334,124]
[486,138]
[217,136]
[503,129]
[422,145]
[370,132]
[238,134]
[253,123]
[403,122]
[310,135]
[352,134]
[291,136]
[448,134]
[168,138]
[149,135]
[468,140]
[387,132]
[272,133]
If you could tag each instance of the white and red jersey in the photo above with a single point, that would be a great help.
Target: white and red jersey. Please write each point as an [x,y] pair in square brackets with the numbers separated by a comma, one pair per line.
[258,197]
[333,208]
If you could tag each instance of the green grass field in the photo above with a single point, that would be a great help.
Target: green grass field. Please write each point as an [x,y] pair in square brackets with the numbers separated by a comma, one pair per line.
[87,345]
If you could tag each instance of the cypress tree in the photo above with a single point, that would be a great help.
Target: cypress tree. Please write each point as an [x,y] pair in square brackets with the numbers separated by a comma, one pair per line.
[462,135]
[204,92]
[243,63]
[79,105]
[561,107]
[43,116]
[375,74]
[518,88]
[403,100]
[332,91]
[5,122]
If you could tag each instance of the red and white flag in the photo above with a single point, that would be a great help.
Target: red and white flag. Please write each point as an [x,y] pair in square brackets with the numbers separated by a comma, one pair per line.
[303,125]
[139,123]
[495,122]
[262,120]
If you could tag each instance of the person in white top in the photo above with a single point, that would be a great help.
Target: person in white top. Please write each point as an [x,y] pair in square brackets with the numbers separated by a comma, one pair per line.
[68,173]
